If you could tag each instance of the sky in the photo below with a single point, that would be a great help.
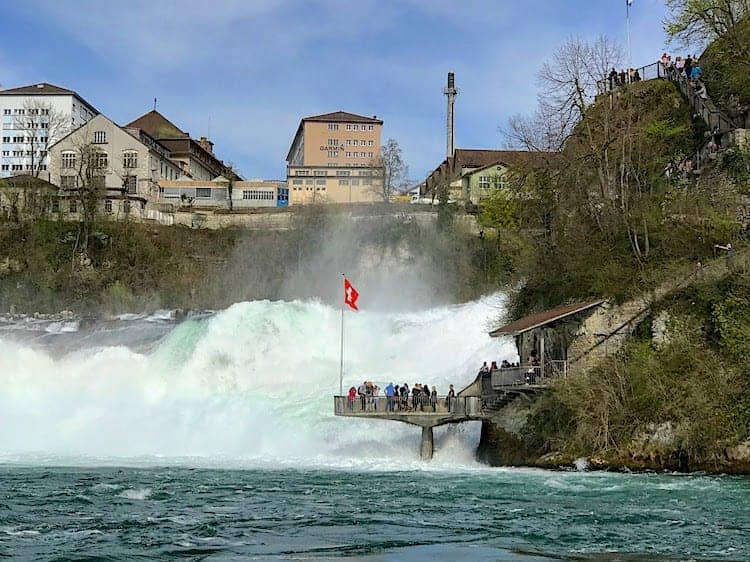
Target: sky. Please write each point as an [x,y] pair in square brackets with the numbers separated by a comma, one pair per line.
[244,72]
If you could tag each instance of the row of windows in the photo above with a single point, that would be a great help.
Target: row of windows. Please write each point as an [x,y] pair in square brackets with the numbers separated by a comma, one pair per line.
[344,173]
[32,111]
[309,188]
[101,159]
[351,142]
[353,181]
[499,182]
[257,195]
[17,153]
[351,127]
[25,139]
[22,167]
[359,154]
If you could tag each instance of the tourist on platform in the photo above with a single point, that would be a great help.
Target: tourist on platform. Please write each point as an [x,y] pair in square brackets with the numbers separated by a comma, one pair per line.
[696,73]
[494,366]
[403,392]
[352,397]
[636,76]
[623,77]
[484,369]
[425,395]
[361,391]
[679,65]
[416,392]
[375,395]
[450,397]
[389,392]
[700,89]
[433,399]
[368,395]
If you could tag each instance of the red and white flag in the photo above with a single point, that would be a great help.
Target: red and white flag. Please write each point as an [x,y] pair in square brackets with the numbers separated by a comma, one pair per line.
[350,295]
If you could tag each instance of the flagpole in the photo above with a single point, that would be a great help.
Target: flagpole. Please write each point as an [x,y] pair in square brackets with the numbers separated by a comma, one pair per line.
[627,27]
[341,364]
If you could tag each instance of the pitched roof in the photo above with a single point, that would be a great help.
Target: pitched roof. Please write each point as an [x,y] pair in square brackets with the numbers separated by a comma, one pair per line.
[540,319]
[158,126]
[478,158]
[38,89]
[343,116]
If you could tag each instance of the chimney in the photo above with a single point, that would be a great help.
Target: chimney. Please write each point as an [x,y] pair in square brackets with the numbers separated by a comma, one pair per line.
[207,145]
[450,92]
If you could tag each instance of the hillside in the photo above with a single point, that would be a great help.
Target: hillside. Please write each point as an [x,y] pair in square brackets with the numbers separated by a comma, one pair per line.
[624,220]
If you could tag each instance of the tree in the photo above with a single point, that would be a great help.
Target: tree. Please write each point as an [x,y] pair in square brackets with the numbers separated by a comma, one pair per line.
[391,169]
[702,21]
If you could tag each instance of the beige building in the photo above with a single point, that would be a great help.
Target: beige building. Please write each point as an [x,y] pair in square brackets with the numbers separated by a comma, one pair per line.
[129,163]
[334,159]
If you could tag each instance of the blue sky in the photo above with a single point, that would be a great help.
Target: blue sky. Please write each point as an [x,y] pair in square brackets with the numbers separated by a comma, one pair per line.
[251,69]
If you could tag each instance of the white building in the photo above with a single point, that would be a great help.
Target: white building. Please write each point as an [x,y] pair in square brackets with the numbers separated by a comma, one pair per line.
[33,118]
[130,165]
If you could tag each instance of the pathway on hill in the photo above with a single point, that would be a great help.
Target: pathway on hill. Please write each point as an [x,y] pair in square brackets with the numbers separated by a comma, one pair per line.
[604,332]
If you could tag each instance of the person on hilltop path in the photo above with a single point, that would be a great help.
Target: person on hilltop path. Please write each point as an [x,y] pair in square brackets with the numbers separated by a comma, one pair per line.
[612,78]
[433,399]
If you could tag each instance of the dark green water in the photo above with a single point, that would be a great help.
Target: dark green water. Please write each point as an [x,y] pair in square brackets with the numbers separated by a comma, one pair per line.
[201,514]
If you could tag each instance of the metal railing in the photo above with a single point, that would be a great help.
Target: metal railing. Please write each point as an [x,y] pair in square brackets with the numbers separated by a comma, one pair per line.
[380,405]
[649,72]
[529,374]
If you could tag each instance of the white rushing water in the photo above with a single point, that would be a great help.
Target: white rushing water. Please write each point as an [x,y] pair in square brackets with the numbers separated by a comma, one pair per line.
[249,386]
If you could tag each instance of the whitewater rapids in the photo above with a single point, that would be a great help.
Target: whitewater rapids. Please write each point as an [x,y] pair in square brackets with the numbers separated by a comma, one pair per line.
[249,386]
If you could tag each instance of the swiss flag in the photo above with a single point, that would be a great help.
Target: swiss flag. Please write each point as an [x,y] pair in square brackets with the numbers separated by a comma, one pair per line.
[350,295]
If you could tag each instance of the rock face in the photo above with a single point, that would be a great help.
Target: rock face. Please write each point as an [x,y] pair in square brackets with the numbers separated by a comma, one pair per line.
[505,442]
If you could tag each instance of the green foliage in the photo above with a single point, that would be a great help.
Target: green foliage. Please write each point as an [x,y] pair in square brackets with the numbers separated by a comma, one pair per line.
[731,318]
[499,210]
[736,162]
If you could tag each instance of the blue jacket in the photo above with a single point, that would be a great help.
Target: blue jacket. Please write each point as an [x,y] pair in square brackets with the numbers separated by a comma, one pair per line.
[389,390]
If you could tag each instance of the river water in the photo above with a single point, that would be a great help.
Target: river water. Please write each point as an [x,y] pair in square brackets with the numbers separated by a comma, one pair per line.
[214,439]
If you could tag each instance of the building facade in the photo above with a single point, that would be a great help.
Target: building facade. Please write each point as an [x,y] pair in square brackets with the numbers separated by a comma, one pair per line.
[129,165]
[334,158]
[34,118]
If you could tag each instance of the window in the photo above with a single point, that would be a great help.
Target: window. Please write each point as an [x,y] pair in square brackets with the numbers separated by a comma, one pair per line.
[348,127]
[333,154]
[370,143]
[348,154]
[320,172]
[308,182]
[500,182]
[55,205]
[371,128]
[6,112]
[333,142]
[355,182]
[343,182]
[355,127]
[296,182]
[130,159]
[484,182]
[99,160]
[72,206]
[131,184]
[67,182]
[6,139]
[68,160]
[320,182]
[303,172]
[203,192]
[257,195]
[6,152]
[370,155]
[5,167]
[343,172]
[333,126]
[100,137]
[17,139]
[108,205]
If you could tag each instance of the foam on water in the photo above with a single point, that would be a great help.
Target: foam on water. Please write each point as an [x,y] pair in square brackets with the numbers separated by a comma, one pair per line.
[250,386]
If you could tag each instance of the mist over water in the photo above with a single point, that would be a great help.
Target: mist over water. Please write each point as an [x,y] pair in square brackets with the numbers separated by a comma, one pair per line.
[250,386]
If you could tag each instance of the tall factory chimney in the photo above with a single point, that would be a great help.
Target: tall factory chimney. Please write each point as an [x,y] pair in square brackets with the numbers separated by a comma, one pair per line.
[451,92]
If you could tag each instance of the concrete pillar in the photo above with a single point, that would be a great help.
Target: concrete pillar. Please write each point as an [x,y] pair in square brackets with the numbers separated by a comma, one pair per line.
[427,447]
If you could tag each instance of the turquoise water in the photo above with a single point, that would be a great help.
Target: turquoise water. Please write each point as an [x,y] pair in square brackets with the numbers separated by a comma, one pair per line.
[513,514]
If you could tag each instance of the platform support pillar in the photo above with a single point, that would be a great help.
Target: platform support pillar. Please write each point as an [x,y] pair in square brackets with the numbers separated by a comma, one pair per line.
[427,447]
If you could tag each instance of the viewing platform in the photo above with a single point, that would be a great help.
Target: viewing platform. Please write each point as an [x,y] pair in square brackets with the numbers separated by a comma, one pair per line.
[425,414]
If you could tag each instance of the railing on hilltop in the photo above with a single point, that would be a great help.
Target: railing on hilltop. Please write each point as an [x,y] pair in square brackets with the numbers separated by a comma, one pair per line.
[529,374]
[379,405]
[648,72]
